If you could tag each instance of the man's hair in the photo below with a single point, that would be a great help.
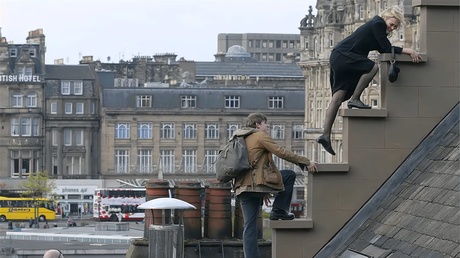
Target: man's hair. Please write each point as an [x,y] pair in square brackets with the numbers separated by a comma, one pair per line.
[255,118]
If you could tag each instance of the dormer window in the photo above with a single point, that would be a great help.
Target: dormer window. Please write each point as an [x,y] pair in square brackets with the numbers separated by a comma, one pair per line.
[13,52]
[32,52]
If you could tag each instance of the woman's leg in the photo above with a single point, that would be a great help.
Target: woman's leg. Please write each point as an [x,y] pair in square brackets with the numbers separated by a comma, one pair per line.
[331,113]
[363,82]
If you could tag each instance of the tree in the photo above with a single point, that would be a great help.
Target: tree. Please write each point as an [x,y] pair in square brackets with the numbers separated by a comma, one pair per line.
[38,185]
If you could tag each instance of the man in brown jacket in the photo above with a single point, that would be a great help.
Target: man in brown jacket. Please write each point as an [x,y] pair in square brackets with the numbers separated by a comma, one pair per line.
[252,187]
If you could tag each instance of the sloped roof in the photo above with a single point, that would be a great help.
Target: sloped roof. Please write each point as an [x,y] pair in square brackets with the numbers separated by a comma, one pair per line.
[254,69]
[416,213]
[69,72]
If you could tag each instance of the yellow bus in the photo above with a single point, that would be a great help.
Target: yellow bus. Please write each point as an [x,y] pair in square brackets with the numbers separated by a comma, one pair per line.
[22,208]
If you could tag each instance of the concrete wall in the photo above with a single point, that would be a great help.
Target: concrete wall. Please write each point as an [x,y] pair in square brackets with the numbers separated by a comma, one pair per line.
[376,142]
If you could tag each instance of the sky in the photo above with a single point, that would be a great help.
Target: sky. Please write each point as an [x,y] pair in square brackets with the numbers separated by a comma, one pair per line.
[121,29]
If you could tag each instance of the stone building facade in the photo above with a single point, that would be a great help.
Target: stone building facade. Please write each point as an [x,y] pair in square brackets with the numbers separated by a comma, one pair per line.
[174,129]
[22,69]
[263,47]
[71,109]
[319,33]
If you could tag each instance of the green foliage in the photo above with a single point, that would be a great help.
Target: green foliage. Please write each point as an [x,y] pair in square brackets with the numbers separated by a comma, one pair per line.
[39,185]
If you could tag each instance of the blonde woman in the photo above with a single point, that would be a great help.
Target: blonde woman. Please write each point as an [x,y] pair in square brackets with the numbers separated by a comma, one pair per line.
[351,69]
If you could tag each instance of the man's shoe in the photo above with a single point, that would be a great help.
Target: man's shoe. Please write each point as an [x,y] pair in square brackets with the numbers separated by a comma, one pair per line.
[326,144]
[357,104]
[281,215]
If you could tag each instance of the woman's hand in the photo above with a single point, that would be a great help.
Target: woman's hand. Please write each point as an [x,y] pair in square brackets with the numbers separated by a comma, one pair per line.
[414,55]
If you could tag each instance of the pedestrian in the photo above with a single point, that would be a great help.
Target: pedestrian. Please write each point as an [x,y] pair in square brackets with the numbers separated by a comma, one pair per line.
[53,253]
[71,223]
[31,222]
[351,69]
[253,187]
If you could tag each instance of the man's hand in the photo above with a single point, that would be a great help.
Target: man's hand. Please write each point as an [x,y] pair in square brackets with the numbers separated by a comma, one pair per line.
[310,168]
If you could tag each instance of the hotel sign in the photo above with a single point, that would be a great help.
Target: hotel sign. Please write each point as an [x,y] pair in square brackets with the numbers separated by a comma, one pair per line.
[19,78]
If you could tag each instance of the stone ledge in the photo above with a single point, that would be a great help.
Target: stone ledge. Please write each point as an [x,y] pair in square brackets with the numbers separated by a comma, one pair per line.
[401,58]
[288,224]
[382,113]
[435,3]
[333,167]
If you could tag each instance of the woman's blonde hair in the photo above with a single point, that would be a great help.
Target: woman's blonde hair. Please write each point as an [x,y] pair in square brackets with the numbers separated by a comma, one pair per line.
[393,12]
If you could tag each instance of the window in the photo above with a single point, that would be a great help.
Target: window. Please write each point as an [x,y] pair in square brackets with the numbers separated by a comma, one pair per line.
[15,127]
[79,108]
[31,100]
[231,129]
[122,131]
[65,88]
[74,165]
[189,131]
[53,108]
[54,137]
[212,131]
[306,43]
[188,101]
[167,161]
[210,158]
[32,52]
[13,52]
[275,102]
[23,162]
[24,70]
[277,131]
[35,126]
[93,108]
[361,12]
[401,34]
[279,162]
[67,137]
[68,86]
[16,100]
[297,132]
[374,103]
[189,161]
[122,161]
[144,161]
[26,126]
[144,101]
[78,88]
[319,112]
[79,137]
[68,108]
[144,131]
[232,102]
[331,39]
[167,131]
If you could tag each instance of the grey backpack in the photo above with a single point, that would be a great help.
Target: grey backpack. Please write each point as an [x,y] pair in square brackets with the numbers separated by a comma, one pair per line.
[233,160]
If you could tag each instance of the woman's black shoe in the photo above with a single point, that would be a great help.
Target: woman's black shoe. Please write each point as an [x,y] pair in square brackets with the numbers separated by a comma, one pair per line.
[357,104]
[326,144]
